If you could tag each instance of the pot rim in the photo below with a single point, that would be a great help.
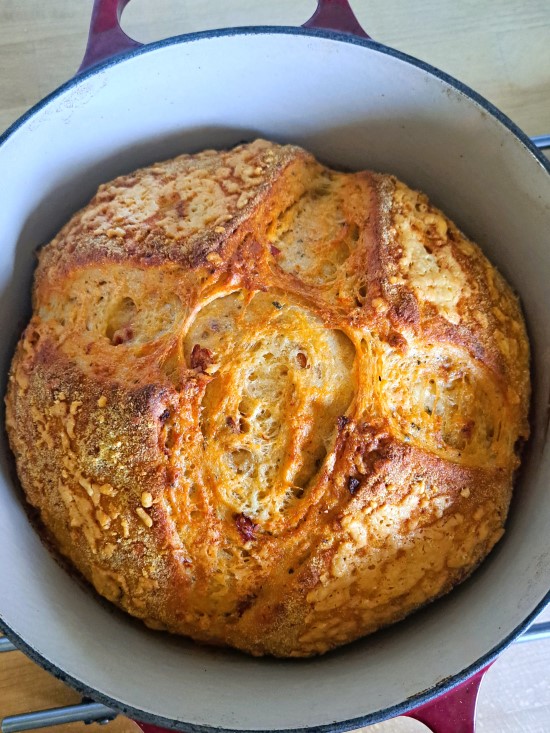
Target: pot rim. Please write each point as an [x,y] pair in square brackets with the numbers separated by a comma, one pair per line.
[285,30]
[449,682]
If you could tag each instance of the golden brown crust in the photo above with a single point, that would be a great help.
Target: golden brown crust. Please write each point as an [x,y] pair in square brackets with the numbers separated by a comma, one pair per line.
[266,404]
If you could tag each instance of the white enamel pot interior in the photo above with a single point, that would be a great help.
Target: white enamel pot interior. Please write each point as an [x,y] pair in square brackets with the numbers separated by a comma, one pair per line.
[354,104]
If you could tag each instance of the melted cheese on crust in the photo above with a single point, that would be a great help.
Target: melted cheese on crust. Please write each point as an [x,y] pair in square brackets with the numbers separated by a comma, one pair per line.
[267,404]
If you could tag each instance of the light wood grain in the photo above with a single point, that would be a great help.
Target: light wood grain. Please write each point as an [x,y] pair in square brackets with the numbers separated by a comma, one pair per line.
[501,48]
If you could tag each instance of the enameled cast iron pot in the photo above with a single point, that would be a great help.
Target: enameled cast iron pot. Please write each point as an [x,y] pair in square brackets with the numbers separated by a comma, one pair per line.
[354,104]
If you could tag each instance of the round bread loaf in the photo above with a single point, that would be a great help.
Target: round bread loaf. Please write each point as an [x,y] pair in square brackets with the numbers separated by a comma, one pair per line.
[266,404]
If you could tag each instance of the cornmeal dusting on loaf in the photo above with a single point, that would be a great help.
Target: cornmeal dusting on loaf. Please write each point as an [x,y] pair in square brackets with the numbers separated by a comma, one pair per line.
[266,404]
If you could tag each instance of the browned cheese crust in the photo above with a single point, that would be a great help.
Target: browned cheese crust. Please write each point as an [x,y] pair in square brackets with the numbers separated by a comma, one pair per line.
[266,404]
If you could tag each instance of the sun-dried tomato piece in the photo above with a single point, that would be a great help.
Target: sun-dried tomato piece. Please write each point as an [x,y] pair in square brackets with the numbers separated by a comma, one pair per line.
[201,357]
[246,527]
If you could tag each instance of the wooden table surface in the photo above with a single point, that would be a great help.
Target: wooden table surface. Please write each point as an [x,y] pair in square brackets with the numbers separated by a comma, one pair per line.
[501,48]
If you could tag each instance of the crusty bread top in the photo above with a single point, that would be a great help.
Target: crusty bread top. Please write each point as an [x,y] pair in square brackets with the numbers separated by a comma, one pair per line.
[268,404]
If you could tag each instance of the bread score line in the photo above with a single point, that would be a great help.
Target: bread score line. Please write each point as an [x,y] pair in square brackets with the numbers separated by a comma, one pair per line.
[266,404]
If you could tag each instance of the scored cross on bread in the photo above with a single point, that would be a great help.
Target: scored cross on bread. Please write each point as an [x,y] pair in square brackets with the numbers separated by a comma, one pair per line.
[267,404]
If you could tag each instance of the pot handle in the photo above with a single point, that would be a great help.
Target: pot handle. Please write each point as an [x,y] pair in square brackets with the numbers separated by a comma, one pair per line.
[150,728]
[106,38]
[453,711]
[335,15]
